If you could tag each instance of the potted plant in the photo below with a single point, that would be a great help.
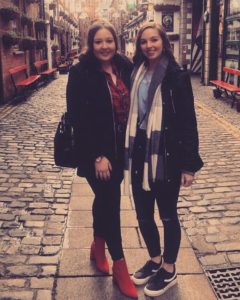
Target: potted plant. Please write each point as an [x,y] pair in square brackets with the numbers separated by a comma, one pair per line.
[52,6]
[40,43]
[25,20]
[9,13]
[27,43]
[9,39]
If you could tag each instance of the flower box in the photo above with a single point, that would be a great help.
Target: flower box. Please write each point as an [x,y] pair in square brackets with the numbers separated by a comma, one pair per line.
[41,44]
[10,39]
[40,24]
[167,7]
[25,20]
[9,13]
[27,43]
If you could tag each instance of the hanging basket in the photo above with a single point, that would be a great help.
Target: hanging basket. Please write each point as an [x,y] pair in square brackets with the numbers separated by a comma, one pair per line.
[10,39]
[27,43]
[9,13]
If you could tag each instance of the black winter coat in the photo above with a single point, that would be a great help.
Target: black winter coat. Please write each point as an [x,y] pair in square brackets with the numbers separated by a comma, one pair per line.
[90,109]
[179,127]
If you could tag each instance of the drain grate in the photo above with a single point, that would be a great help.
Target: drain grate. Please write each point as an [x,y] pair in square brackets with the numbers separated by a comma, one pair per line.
[226,283]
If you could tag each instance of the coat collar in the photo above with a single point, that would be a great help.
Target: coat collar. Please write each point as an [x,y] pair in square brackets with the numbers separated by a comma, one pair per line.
[157,78]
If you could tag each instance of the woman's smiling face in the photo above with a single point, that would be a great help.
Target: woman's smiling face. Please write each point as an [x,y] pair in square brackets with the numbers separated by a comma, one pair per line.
[151,44]
[104,47]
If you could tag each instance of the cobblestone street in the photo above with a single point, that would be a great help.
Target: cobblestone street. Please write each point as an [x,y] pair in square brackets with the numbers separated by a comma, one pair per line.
[35,194]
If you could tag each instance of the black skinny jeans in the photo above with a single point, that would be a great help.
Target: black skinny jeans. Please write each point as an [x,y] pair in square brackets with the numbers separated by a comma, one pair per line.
[106,205]
[166,196]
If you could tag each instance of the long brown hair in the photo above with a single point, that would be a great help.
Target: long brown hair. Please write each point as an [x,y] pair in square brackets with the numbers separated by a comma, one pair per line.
[139,57]
[97,25]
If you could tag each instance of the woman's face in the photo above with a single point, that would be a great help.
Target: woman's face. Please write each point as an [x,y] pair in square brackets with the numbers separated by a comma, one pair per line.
[151,44]
[104,47]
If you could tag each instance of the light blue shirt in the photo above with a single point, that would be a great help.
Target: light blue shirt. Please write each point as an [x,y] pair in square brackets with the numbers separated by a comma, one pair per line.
[142,99]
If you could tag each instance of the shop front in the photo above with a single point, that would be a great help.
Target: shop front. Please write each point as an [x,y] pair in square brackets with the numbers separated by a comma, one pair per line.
[231,37]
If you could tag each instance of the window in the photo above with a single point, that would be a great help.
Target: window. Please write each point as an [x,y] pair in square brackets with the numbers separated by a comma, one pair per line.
[233,7]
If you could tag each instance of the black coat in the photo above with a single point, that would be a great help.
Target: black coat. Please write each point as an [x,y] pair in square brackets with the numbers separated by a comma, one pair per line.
[180,144]
[90,109]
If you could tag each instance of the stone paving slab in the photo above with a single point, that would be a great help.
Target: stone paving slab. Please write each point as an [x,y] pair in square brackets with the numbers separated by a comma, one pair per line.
[80,238]
[189,287]
[75,262]
[85,203]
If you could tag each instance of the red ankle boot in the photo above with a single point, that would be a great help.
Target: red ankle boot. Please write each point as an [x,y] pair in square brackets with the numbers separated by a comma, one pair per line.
[122,279]
[98,255]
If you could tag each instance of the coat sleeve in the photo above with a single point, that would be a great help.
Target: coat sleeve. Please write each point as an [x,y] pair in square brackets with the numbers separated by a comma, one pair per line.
[71,95]
[187,124]
[82,113]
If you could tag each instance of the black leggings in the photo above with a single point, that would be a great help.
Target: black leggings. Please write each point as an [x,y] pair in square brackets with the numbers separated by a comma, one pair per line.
[166,196]
[106,212]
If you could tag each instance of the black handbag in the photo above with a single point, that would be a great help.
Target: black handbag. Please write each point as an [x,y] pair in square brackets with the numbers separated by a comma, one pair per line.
[64,145]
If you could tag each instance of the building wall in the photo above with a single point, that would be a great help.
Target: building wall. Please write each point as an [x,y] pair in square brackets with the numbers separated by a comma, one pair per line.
[14,55]
[185,33]
[158,17]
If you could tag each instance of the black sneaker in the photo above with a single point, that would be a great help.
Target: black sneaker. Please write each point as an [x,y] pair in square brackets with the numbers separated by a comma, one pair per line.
[148,270]
[160,283]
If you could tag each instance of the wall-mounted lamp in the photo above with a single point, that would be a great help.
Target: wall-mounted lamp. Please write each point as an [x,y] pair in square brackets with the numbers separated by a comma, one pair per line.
[206,16]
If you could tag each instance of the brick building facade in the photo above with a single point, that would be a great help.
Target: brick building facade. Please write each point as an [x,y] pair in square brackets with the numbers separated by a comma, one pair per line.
[33,30]
[205,34]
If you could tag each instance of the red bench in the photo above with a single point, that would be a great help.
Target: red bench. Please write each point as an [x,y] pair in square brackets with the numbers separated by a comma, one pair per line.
[42,68]
[224,87]
[16,76]
[63,65]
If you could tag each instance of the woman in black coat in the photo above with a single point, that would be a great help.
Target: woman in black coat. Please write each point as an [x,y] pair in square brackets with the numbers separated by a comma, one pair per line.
[161,151]
[98,104]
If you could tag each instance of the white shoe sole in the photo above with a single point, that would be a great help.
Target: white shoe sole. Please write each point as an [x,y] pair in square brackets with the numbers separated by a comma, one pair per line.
[159,293]
[140,281]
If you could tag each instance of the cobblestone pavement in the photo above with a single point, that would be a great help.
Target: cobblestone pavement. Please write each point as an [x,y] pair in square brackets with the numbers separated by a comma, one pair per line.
[34,194]
[210,211]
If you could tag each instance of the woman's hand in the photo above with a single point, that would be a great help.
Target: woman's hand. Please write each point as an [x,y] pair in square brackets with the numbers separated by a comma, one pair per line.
[103,168]
[187,179]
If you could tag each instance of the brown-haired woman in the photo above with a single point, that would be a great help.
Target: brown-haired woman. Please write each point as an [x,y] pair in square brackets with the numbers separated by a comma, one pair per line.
[161,151]
[98,104]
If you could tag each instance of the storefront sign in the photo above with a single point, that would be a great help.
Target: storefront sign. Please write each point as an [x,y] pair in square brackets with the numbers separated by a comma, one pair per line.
[167,21]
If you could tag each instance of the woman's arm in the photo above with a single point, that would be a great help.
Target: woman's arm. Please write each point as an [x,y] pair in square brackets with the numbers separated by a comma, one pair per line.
[187,124]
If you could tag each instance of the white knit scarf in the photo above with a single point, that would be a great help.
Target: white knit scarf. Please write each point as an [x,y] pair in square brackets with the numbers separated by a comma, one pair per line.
[153,162]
